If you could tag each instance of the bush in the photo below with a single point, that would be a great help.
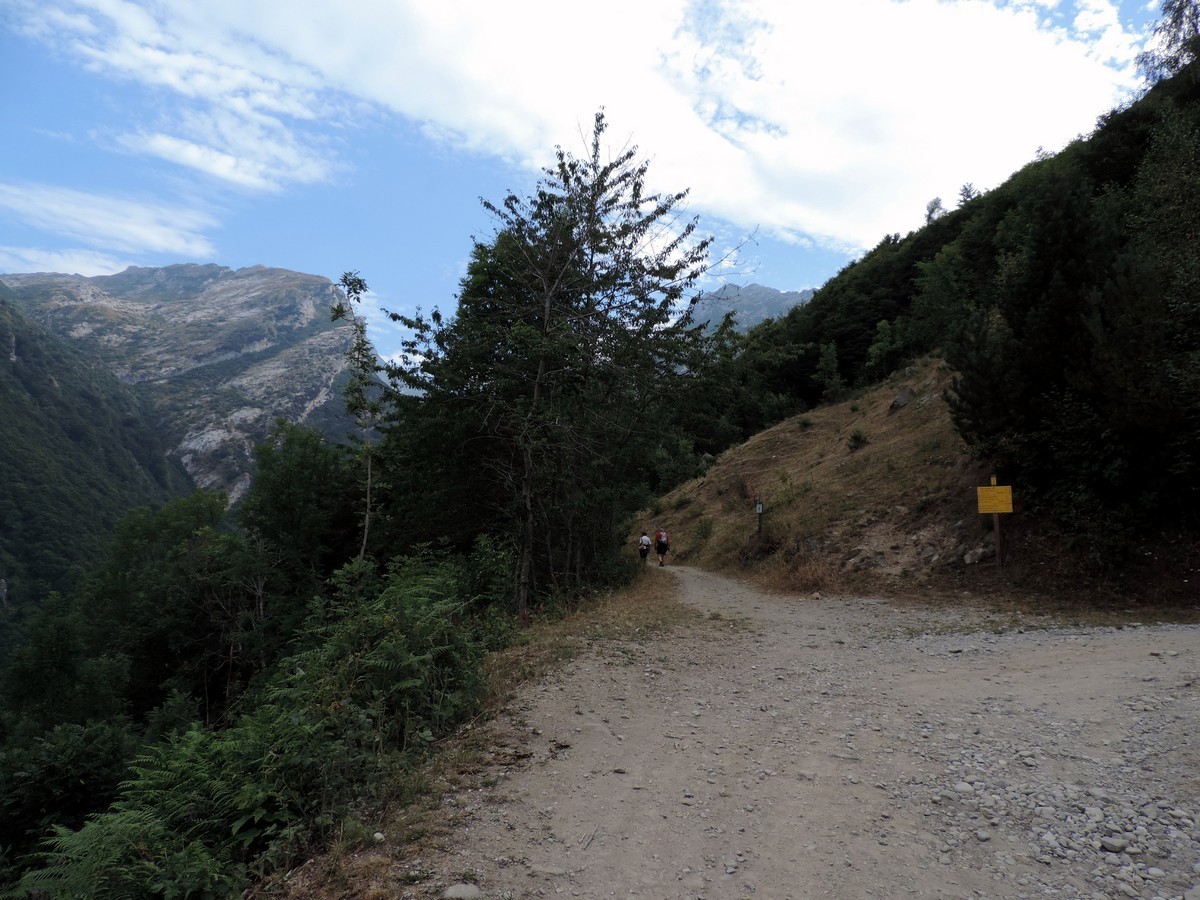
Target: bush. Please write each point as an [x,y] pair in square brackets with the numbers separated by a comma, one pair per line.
[388,672]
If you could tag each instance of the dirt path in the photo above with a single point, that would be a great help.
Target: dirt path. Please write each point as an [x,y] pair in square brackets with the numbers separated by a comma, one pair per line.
[842,747]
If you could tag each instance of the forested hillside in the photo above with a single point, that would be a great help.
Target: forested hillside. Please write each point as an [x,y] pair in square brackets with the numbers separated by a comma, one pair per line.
[125,390]
[79,450]
[1066,299]
[226,691]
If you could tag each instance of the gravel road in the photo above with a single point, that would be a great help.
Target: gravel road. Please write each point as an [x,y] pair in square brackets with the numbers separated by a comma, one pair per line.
[796,746]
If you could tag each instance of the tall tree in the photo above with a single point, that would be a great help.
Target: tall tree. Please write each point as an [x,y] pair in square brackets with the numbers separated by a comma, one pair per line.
[364,392]
[1176,40]
[568,335]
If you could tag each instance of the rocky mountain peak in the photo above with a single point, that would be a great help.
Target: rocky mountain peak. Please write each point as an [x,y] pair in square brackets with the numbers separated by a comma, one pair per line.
[220,353]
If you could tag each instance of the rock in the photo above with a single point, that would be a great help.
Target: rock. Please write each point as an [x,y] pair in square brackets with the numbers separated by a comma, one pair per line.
[222,354]
[1114,844]
[901,400]
[462,892]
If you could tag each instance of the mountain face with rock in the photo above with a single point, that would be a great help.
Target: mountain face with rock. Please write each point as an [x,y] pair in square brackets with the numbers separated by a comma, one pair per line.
[217,354]
[751,304]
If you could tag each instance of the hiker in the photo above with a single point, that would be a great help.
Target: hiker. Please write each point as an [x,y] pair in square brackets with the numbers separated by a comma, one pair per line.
[662,543]
[644,547]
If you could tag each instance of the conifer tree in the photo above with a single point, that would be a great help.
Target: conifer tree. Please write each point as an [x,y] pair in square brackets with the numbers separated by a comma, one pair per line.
[567,340]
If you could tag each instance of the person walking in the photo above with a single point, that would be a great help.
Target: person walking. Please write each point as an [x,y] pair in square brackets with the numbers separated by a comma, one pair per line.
[644,547]
[662,544]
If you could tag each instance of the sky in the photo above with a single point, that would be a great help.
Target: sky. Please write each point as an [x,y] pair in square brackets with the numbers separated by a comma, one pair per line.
[328,136]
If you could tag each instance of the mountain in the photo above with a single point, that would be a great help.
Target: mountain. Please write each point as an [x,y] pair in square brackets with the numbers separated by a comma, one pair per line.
[217,354]
[751,303]
[79,449]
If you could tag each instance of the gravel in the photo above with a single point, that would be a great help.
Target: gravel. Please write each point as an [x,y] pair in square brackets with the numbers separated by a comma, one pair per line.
[841,747]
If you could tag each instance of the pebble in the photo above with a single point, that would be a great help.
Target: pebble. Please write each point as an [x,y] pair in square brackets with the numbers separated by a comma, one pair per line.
[1122,830]
[1036,800]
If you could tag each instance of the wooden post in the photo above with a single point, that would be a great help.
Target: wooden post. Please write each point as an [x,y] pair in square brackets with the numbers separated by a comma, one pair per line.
[996,531]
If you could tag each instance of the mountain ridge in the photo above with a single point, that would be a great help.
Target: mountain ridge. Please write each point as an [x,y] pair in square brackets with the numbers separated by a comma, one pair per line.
[218,354]
[751,304]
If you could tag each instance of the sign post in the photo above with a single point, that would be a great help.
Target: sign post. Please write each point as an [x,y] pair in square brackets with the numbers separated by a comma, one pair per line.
[758,508]
[995,499]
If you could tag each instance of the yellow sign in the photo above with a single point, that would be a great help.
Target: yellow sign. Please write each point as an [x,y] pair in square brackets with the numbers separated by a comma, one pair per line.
[996,498]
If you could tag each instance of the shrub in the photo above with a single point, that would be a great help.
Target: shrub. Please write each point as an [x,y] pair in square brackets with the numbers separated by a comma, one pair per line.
[386,673]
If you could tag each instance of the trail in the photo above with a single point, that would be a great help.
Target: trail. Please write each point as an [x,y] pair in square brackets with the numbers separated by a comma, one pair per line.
[792,747]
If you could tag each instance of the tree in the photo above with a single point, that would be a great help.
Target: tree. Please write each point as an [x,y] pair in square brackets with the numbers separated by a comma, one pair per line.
[302,506]
[967,193]
[570,331]
[364,391]
[934,209]
[829,375]
[1176,40]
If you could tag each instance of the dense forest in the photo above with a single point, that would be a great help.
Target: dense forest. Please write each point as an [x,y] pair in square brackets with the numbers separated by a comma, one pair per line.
[79,449]
[226,690]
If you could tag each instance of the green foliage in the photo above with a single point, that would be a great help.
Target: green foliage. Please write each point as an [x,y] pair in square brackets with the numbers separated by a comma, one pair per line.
[1176,40]
[1079,374]
[544,395]
[302,506]
[58,777]
[833,388]
[79,450]
[387,673]
[365,395]
[731,392]
[1065,298]
[182,601]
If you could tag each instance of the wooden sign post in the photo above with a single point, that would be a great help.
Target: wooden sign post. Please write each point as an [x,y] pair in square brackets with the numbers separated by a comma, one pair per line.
[995,499]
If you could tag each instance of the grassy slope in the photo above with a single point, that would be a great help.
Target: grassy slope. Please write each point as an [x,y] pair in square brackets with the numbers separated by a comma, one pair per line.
[895,514]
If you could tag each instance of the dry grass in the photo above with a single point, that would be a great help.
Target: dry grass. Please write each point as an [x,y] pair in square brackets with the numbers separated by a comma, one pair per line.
[643,610]
[878,496]
[859,473]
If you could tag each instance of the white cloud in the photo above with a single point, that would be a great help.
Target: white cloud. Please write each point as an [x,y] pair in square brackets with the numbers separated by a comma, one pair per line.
[229,108]
[70,261]
[834,122]
[110,222]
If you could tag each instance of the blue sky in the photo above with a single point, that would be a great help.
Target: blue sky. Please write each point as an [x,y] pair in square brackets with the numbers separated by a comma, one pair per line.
[335,135]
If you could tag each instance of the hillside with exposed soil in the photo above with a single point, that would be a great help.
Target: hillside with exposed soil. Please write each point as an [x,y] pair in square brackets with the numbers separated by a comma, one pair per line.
[878,493]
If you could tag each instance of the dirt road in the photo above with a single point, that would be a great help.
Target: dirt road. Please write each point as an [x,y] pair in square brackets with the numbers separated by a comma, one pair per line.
[793,747]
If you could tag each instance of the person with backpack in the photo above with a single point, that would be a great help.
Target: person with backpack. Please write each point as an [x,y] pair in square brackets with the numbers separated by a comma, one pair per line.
[644,547]
[662,544]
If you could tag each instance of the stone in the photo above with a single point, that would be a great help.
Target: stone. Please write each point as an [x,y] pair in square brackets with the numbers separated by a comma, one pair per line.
[462,892]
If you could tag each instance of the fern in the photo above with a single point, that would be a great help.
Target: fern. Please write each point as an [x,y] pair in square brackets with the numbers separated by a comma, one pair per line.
[387,672]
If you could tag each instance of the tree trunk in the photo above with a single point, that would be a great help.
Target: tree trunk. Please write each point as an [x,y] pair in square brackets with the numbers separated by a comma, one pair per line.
[362,552]
[525,555]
